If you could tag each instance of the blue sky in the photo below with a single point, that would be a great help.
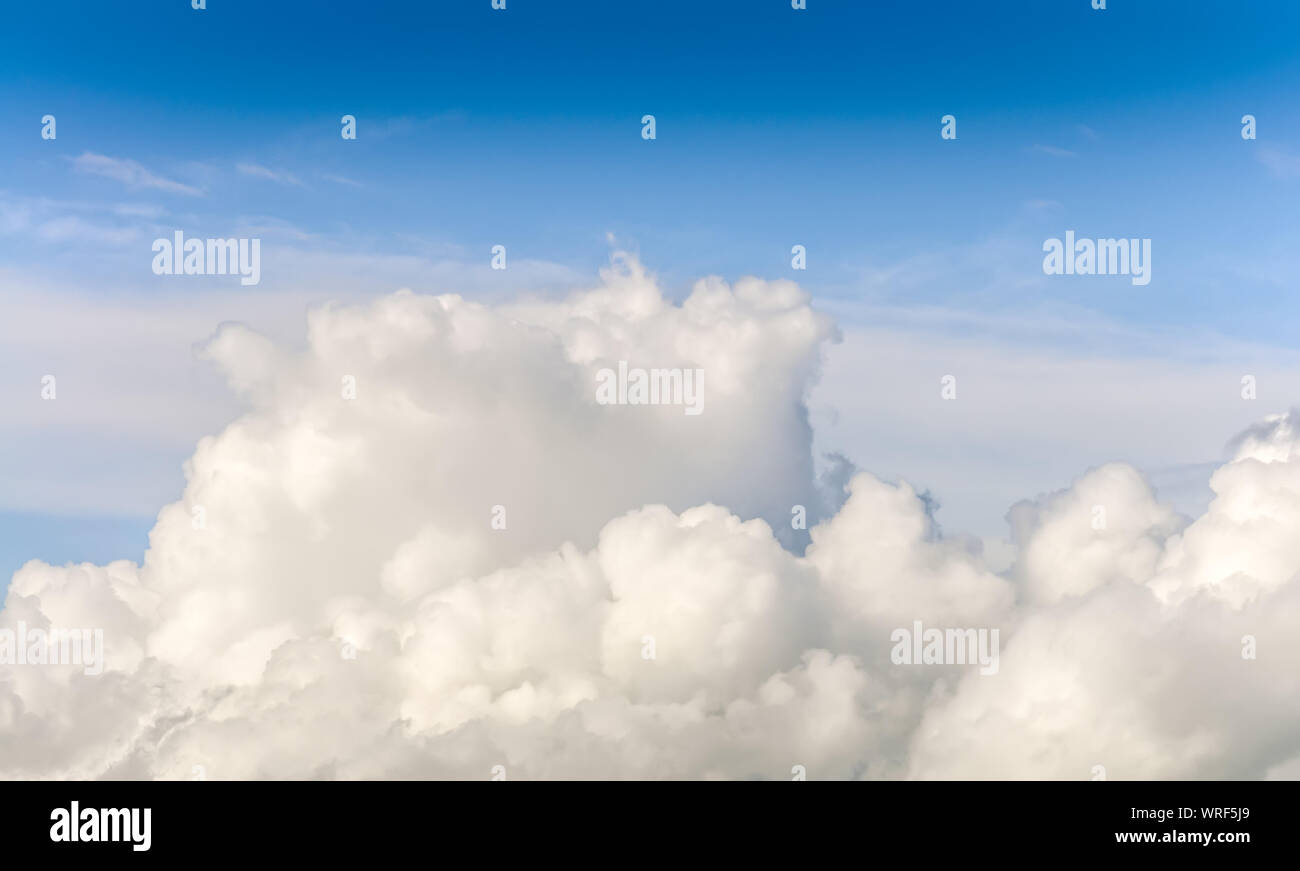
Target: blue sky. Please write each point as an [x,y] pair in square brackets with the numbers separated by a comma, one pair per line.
[775,127]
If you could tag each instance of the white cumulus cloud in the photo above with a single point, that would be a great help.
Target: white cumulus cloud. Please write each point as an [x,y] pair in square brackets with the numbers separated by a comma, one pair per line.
[331,597]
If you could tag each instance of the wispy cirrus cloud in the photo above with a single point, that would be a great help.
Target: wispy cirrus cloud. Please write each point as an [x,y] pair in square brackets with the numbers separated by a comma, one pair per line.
[1280,162]
[130,173]
[255,170]
[139,210]
[72,228]
[402,125]
[339,179]
[1053,151]
[47,219]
